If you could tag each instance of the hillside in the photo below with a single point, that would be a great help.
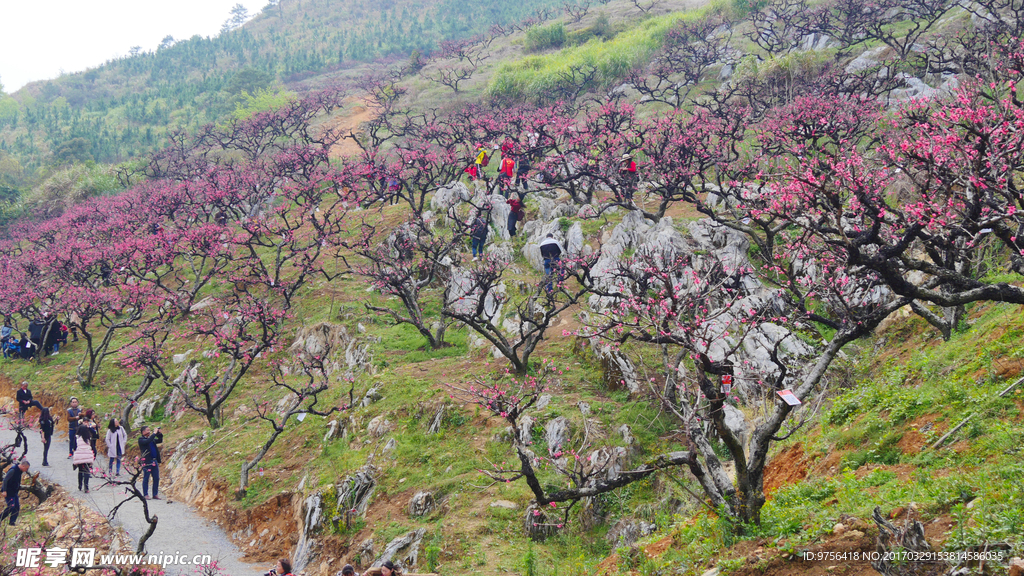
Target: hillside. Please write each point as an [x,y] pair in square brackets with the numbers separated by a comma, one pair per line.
[127,107]
[790,266]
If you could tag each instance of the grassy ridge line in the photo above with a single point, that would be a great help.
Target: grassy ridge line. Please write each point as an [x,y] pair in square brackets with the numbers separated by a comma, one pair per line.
[613,58]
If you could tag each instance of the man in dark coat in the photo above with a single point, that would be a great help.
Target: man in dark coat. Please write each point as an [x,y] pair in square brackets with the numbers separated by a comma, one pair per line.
[10,490]
[149,447]
[25,400]
[551,252]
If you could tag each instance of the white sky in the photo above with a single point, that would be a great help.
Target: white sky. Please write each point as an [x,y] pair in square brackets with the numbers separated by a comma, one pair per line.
[40,38]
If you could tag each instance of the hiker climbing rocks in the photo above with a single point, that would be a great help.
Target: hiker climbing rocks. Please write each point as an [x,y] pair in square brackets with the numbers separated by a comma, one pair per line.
[551,251]
[517,213]
[506,172]
[478,231]
[476,169]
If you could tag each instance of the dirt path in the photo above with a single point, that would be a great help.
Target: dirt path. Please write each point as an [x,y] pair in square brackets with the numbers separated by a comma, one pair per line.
[179,531]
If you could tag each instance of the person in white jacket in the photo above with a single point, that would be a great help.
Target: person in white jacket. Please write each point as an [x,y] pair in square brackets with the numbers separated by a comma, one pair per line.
[117,440]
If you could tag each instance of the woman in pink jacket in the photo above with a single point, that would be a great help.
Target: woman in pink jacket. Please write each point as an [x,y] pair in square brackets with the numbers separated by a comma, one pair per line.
[82,459]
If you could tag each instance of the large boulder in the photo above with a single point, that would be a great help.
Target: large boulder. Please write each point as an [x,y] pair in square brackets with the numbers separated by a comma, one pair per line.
[421,504]
[556,433]
[665,240]
[403,550]
[627,531]
[463,295]
[618,370]
[356,491]
[448,196]
[574,240]
[736,422]
[499,216]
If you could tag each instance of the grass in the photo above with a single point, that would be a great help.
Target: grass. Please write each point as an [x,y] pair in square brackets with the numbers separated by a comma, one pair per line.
[613,59]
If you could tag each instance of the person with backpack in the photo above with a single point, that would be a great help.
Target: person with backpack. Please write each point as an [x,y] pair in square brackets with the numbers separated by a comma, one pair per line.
[478,232]
[87,428]
[476,169]
[523,168]
[517,213]
[551,252]
[82,460]
[506,172]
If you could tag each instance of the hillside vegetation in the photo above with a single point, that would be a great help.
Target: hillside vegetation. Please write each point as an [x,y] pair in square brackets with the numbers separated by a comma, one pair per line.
[791,265]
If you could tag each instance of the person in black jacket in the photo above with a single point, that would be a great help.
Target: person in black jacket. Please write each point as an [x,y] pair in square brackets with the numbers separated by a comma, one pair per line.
[149,446]
[28,348]
[478,231]
[74,414]
[10,491]
[25,400]
[87,430]
[46,424]
[551,252]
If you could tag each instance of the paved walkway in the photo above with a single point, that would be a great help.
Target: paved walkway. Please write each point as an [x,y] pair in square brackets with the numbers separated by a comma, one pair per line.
[179,531]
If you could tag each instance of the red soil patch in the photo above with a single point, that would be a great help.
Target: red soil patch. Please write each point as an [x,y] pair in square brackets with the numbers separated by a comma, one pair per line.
[913,440]
[658,548]
[1008,367]
[787,467]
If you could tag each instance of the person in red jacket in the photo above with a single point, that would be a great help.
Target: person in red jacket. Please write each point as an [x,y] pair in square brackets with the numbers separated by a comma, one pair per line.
[517,213]
[506,172]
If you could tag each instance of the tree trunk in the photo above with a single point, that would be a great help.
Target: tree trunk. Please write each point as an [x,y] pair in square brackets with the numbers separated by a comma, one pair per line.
[147,381]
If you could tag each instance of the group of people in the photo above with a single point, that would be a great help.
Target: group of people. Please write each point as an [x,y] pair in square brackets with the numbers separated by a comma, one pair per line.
[513,169]
[83,432]
[44,336]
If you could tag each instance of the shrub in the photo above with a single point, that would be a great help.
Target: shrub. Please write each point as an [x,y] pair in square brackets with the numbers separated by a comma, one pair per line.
[544,37]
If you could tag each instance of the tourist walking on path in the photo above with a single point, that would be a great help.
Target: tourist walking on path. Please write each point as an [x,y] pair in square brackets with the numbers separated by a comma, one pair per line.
[149,446]
[82,460]
[46,424]
[87,429]
[74,414]
[116,440]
